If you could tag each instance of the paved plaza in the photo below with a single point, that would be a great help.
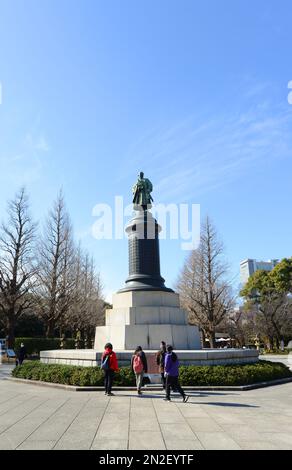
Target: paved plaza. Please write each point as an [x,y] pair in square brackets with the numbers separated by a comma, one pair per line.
[38,417]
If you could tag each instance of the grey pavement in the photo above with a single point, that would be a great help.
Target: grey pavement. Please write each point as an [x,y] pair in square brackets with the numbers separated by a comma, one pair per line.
[5,370]
[37,417]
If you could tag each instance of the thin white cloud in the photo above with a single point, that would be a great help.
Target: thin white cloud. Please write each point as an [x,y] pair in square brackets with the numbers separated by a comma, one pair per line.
[199,155]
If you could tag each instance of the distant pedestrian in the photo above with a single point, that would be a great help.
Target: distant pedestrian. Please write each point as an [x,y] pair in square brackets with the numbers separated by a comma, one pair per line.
[21,354]
[109,365]
[139,367]
[171,371]
[160,359]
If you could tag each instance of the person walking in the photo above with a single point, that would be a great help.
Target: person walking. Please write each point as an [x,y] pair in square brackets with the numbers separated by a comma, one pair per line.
[21,354]
[109,365]
[139,367]
[171,371]
[160,359]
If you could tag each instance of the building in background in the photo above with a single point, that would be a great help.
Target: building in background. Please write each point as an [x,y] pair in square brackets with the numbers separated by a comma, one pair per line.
[249,266]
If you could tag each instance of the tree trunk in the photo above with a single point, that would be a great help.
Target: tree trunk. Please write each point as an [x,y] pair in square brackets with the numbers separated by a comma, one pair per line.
[202,337]
[212,339]
[270,343]
[11,332]
[50,329]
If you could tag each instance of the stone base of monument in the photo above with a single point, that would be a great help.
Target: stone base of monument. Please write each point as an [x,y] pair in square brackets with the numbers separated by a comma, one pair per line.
[145,318]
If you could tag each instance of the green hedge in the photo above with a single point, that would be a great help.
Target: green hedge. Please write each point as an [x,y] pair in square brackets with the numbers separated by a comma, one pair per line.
[189,375]
[70,375]
[35,345]
[244,374]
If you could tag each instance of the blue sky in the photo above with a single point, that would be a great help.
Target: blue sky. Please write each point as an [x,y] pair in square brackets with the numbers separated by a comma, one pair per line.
[192,92]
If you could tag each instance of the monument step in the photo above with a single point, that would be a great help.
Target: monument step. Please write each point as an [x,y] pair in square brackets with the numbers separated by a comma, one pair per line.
[148,336]
[145,315]
[146,299]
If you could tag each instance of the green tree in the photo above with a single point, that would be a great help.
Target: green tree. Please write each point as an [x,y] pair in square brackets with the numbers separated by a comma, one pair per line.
[281,276]
[269,294]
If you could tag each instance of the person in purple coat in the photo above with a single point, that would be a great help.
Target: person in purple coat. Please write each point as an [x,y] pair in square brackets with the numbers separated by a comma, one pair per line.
[171,372]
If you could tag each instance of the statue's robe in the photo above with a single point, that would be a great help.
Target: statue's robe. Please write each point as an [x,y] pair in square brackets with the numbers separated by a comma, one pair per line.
[141,191]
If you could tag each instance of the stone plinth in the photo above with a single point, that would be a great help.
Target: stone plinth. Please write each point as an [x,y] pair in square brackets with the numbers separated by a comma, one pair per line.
[208,357]
[145,318]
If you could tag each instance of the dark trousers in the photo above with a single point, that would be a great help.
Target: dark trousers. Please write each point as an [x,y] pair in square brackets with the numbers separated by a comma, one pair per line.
[172,382]
[108,380]
[163,379]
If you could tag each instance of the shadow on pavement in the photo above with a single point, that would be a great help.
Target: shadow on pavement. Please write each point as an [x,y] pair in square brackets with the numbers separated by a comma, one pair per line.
[234,405]
[207,394]
[174,396]
[177,399]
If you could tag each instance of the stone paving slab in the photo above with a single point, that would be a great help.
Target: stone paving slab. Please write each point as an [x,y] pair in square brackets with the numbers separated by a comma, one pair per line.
[110,444]
[81,433]
[217,441]
[21,431]
[183,444]
[203,424]
[146,440]
[262,445]
[34,417]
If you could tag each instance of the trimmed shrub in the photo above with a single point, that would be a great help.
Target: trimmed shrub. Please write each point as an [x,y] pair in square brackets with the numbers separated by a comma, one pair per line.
[70,375]
[125,377]
[189,375]
[236,374]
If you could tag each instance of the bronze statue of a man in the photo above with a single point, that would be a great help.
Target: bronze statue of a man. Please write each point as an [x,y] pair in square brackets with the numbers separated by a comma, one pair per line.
[141,190]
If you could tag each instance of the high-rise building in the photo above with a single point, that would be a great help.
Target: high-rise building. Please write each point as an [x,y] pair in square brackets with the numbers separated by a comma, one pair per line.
[250,266]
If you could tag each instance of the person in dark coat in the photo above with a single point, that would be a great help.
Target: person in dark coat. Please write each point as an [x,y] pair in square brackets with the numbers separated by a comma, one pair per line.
[160,358]
[21,354]
[139,367]
[171,371]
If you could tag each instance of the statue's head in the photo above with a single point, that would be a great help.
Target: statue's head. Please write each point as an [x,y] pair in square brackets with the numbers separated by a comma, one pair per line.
[141,174]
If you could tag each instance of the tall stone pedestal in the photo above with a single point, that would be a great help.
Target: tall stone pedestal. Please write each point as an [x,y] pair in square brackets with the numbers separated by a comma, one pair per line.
[145,318]
[144,259]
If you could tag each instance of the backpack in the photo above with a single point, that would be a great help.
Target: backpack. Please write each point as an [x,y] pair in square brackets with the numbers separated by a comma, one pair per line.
[138,364]
[105,363]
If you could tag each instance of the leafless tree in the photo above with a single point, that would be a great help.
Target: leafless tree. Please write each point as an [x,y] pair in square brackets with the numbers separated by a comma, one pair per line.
[87,309]
[56,267]
[204,285]
[17,264]
[241,326]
